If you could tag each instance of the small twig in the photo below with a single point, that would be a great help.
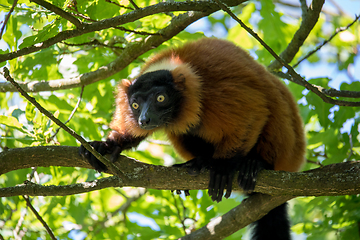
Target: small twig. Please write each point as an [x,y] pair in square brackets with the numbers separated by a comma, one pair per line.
[136,32]
[250,31]
[32,100]
[8,17]
[339,30]
[119,5]
[84,17]
[60,12]
[46,226]
[76,106]
[134,4]
[91,43]
[71,114]
[314,162]
[74,8]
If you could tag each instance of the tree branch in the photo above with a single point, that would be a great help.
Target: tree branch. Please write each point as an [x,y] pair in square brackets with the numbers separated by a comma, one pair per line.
[204,7]
[8,17]
[70,116]
[337,31]
[119,5]
[60,12]
[34,189]
[331,92]
[62,125]
[37,215]
[310,18]
[134,4]
[335,179]
[249,211]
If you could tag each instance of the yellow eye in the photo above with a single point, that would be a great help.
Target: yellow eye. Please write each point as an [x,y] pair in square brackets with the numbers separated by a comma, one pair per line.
[135,105]
[160,98]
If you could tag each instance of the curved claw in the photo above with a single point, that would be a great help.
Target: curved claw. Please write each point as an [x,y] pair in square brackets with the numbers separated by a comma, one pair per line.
[249,168]
[219,182]
[103,148]
[222,172]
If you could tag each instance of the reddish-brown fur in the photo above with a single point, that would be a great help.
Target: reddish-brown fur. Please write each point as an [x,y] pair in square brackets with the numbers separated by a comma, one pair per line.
[237,102]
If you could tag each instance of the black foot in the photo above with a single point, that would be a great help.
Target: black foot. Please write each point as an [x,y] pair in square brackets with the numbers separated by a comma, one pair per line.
[222,172]
[194,166]
[103,148]
[249,168]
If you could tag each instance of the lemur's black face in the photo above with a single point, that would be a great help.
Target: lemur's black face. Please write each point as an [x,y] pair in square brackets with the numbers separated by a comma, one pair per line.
[154,99]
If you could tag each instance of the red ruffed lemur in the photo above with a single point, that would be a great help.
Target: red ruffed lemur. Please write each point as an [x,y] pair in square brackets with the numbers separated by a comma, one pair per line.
[221,110]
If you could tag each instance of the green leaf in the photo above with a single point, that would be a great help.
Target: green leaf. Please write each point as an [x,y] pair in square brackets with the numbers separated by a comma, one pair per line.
[12,33]
[239,35]
[11,122]
[322,110]
[275,32]
[47,32]
[342,115]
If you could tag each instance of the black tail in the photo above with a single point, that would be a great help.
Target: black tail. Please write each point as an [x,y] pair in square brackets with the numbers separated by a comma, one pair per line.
[274,225]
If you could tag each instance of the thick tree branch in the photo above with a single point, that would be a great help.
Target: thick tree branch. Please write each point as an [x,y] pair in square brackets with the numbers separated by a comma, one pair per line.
[336,179]
[249,211]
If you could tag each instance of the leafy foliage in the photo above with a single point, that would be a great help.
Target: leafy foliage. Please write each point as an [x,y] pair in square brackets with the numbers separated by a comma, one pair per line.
[130,213]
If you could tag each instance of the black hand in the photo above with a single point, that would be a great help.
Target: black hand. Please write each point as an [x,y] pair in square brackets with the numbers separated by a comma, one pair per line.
[249,168]
[221,178]
[103,148]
